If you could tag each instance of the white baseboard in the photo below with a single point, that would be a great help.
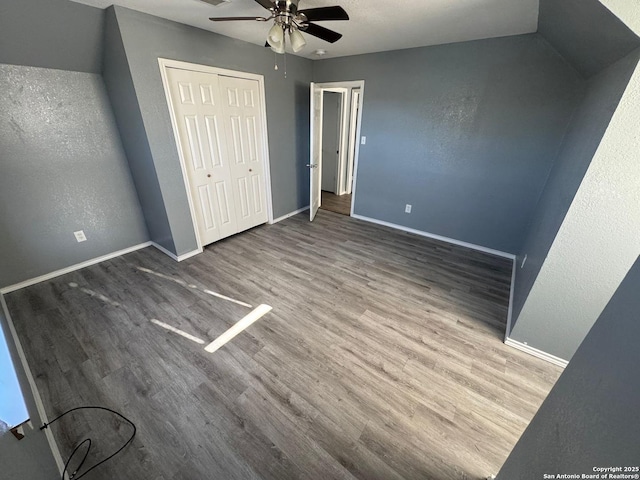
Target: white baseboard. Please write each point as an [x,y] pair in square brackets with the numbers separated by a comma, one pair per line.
[72,268]
[177,258]
[34,389]
[193,253]
[536,353]
[284,217]
[472,246]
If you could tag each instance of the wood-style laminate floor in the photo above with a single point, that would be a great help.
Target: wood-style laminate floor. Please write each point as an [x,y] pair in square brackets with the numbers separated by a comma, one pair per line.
[336,203]
[382,358]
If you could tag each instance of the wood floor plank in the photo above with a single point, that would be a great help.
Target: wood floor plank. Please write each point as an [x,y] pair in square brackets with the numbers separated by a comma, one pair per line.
[336,203]
[381,359]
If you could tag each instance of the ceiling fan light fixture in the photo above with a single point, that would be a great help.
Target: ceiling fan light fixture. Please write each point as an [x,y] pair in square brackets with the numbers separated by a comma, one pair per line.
[289,19]
[280,49]
[275,38]
[297,40]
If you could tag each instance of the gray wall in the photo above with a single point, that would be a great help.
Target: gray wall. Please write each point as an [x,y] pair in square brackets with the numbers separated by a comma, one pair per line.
[51,34]
[467,133]
[62,170]
[117,78]
[588,125]
[330,139]
[586,33]
[29,458]
[590,418]
[145,38]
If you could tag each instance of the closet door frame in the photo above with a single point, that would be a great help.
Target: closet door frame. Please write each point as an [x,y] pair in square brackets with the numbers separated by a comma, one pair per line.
[166,63]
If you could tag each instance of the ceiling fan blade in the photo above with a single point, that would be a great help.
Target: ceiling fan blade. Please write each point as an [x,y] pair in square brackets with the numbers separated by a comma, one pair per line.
[268,4]
[324,13]
[231,19]
[321,32]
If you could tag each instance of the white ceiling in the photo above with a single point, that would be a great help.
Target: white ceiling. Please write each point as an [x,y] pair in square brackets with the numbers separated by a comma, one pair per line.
[375,25]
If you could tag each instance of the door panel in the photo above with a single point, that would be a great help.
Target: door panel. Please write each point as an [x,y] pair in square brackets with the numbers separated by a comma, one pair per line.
[243,191]
[186,93]
[236,140]
[252,131]
[353,141]
[244,136]
[213,137]
[223,200]
[315,158]
[257,197]
[206,95]
[203,144]
[207,206]
[193,138]
[249,98]
[232,94]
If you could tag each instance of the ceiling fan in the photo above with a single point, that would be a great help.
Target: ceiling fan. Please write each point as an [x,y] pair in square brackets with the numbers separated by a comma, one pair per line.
[288,19]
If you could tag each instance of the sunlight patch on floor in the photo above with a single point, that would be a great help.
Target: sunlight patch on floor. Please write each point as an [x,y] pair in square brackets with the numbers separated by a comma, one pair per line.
[97,295]
[195,287]
[182,333]
[253,316]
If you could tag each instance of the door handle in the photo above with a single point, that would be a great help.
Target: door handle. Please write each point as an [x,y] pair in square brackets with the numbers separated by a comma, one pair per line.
[310,165]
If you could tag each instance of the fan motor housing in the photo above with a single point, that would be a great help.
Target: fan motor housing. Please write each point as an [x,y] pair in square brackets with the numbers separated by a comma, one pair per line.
[287,6]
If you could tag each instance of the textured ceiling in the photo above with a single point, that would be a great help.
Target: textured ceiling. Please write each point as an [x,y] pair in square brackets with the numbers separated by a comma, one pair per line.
[375,25]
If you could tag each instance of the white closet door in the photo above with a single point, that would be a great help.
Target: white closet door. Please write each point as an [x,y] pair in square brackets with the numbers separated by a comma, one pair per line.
[243,127]
[198,113]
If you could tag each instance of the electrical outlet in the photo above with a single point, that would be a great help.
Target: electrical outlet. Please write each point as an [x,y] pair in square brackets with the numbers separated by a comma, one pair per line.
[407,209]
[80,236]
[363,141]
[524,260]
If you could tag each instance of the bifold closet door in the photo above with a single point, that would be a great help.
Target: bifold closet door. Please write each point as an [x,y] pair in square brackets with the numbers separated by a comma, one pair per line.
[197,108]
[244,129]
[220,131]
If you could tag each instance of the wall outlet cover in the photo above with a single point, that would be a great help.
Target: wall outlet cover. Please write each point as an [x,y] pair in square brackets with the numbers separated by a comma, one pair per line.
[80,236]
[407,209]
[363,141]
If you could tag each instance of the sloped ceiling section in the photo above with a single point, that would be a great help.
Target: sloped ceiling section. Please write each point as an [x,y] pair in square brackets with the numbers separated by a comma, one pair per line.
[51,34]
[586,33]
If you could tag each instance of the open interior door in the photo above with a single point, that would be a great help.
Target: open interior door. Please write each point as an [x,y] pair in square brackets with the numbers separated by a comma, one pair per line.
[315,165]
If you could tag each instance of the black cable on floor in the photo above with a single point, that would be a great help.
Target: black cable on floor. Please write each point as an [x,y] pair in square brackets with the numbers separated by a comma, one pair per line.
[74,475]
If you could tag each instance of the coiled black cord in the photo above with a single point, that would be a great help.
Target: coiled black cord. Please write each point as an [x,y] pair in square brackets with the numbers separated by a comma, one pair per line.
[74,475]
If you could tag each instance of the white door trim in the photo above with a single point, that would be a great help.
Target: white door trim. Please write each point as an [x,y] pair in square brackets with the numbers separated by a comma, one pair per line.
[345,100]
[337,86]
[353,140]
[165,63]
[42,413]
[315,143]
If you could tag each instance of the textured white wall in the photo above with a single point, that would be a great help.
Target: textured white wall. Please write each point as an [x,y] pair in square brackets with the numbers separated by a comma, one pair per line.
[599,239]
[626,10]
